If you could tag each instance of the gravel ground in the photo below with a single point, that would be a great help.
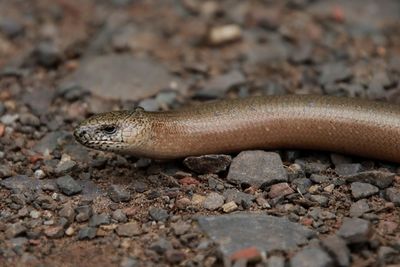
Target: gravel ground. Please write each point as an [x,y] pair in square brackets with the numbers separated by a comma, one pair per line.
[64,205]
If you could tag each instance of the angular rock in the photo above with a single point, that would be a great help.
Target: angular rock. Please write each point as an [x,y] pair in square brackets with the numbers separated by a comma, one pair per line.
[87,233]
[355,230]
[393,195]
[357,209]
[118,194]
[158,214]
[234,232]
[280,190]
[99,219]
[363,190]
[238,197]
[49,142]
[348,168]
[378,178]
[5,171]
[119,216]
[337,247]
[54,231]
[84,213]
[131,78]
[311,257]
[128,229]
[257,168]
[68,185]
[208,163]
[319,179]
[302,184]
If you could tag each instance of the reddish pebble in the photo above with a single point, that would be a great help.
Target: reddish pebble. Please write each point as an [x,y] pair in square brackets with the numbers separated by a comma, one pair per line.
[35,158]
[188,181]
[280,190]
[250,254]
[338,14]
[306,221]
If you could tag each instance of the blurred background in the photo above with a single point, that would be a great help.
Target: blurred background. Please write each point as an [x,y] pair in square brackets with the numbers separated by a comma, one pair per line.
[162,53]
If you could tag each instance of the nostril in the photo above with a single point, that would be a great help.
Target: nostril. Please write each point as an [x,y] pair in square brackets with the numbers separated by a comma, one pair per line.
[82,133]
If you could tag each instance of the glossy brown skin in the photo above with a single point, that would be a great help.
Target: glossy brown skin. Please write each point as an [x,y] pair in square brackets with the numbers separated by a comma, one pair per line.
[344,125]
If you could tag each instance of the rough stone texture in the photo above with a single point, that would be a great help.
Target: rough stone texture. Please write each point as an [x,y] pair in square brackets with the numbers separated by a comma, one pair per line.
[362,190]
[377,178]
[130,78]
[68,185]
[359,208]
[355,230]
[208,163]
[311,257]
[337,247]
[348,168]
[213,201]
[118,194]
[128,229]
[257,168]
[393,195]
[241,230]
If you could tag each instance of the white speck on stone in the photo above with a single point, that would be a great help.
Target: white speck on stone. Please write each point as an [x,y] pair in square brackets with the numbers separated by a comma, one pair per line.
[39,174]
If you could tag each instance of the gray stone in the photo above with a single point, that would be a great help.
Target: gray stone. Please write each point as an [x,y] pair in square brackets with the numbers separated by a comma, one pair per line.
[378,178]
[337,247]
[393,195]
[237,231]
[315,167]
[161,245]
[65,165]
[68,185]
[320,199]
[348,168]
[166,98]
[87,233]
[29,119]
[319,179]
[20,183]
[10,27]
[119,216]
[357,209]
[67,212]
[118,194]
[48,54]
[5,171]
[334,72]
[257,168]
[84,213]
[363,190]
[128,229]
[311,257]
[14,230]
[49,142]
[158,214]
[213,201]
[276,261]
[99,219]
[208,163]
[355,230]
[302,184]
[219,85]
[238,197]
[131,78]
[149,104]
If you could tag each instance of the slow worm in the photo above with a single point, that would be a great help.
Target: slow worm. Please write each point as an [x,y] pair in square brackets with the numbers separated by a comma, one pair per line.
[344,125]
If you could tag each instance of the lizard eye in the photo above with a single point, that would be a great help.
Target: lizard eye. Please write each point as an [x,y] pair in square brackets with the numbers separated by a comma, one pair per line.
[109,129]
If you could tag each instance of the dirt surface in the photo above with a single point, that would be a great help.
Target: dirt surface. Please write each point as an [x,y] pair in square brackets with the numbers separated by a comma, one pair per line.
[64,205]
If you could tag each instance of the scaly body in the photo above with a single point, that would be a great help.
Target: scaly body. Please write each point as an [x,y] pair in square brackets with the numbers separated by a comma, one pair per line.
[344,125]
